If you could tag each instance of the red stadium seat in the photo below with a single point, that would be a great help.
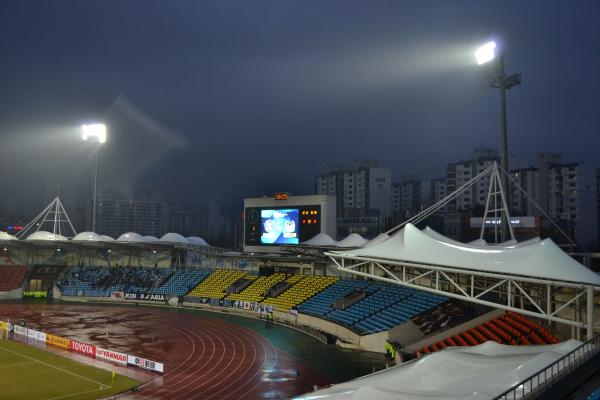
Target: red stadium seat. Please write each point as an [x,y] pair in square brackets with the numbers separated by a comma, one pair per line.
[469,339]
[12,277]
[489,334]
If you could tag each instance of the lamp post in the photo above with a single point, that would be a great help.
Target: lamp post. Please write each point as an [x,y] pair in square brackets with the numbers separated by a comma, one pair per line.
[97,131]
[496,76]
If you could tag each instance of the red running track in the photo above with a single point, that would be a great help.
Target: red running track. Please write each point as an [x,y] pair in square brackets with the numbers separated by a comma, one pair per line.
[204,358]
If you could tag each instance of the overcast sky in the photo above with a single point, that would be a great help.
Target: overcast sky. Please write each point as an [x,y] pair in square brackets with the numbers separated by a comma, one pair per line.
[222,99]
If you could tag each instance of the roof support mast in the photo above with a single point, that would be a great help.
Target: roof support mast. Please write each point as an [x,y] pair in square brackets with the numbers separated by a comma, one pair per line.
[54,214]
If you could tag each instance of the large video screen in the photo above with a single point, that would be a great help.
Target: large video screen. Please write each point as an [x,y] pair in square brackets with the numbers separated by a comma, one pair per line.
[280,226]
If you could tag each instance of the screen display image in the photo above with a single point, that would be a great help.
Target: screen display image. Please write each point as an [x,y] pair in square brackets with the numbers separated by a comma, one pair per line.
[279,226]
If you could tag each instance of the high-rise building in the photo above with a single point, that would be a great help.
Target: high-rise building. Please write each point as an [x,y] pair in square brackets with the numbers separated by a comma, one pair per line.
[573,198]
[410,195]
[598,205]
[438,189]
[529,180]
[146,217]
[205,221]
[363,192]
[459,173]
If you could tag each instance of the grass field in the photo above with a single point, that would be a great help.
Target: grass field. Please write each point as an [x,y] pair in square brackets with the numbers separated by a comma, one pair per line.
[29,373]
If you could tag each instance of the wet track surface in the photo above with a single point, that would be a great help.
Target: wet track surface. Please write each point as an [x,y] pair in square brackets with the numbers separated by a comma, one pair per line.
[204,357]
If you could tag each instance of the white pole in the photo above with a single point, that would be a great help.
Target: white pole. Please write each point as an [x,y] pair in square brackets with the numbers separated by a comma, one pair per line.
[95,187]
[590,312]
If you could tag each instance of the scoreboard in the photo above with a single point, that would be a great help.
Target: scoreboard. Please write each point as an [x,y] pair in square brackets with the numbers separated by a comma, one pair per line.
[284,220]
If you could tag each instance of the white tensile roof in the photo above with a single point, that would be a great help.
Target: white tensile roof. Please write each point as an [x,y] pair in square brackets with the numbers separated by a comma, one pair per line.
[509,244]
[173,238]
[87,236]
[479,372]
[106,238]
[377,239]
[48,236]
[322,239]
[6,236]
[197,241]
[131,237]
[352,240]
[151,238]
[543,259]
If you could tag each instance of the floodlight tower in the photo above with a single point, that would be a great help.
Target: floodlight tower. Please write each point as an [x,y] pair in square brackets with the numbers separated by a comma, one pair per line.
[494,69]
[97,131]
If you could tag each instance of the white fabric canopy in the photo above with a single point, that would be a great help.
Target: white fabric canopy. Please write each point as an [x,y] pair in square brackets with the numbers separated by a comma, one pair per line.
[48,236]
[151,238]
[6,236]
[507,244]
[480,242]
[322,239]
[87,236]
[538,260]
[476,373]
[197,241]
[173,238]
[352,240]
[377,239]
[131,237]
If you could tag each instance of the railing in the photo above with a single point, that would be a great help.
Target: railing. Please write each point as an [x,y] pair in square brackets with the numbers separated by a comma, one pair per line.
[530,387]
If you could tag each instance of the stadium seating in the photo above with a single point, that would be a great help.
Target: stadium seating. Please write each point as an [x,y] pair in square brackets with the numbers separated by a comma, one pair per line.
[215,285]
[322,303]
[84,281]
[256,291]
[181,281]
[102,281]
[12,277]
[303,287]
[384,307]
[510,328]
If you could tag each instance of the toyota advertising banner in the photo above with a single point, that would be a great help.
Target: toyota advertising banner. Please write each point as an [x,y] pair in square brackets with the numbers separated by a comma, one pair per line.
[83,348]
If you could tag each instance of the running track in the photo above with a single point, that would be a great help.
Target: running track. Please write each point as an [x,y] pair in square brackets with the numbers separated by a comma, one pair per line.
[204,358]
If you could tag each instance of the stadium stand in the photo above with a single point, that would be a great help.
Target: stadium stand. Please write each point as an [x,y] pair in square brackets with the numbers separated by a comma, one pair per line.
[181,281]
[12,277]
[384,307]
[216,284]
[256,291]
[102,281]
[510,328]
[303,287]
[322,303]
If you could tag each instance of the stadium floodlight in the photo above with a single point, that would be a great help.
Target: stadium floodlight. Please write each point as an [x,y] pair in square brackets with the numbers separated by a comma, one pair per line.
[486,53]
[94,130]
[97,131]
[498,79]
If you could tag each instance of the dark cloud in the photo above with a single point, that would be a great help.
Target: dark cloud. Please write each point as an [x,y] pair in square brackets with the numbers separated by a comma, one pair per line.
[251,97]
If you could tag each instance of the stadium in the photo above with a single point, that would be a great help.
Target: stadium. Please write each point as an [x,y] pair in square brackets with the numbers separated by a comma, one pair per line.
[136,317]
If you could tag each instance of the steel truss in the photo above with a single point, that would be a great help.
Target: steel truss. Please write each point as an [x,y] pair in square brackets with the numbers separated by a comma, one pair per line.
[554,301]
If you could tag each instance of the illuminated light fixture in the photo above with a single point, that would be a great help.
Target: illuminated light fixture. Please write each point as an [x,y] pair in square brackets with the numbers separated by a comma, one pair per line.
[94,131]
[486,53]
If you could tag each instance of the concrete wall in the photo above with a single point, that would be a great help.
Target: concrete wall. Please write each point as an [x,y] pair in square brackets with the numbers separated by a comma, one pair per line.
[12,294]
